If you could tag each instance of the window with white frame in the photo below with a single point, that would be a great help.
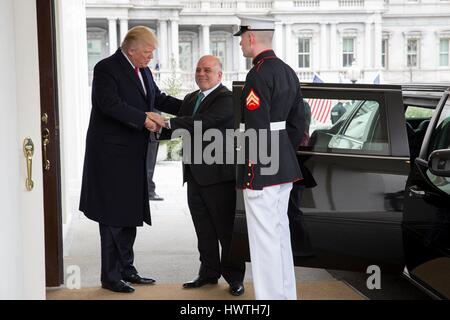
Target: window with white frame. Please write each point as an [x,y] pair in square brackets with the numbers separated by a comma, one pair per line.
[412,52]
[348,51]
[186,56]
[304,53]
[444,52]
[384,52]
[219,49]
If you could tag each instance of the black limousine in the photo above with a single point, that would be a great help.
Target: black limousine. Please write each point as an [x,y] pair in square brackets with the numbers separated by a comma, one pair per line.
[383,183]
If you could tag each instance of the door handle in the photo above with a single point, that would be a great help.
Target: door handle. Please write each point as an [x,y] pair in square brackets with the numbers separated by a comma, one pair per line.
[414,191]
[45,143]
[28,150]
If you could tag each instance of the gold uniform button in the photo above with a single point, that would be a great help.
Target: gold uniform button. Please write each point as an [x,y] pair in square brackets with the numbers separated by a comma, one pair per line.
[248,184]
[249,174]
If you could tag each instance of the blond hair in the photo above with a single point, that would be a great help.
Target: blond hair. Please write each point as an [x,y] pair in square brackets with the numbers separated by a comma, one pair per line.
[139,35]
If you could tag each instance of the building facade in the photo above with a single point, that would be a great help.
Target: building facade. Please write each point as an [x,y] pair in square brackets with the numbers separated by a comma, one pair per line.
[400,40]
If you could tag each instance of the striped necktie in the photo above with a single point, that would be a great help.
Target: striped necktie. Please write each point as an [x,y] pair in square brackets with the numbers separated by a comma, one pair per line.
[200,97]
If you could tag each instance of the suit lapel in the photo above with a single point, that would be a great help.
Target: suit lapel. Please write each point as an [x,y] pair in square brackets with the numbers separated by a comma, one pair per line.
[207,101]
[146,75]
[188,109]
[128,70]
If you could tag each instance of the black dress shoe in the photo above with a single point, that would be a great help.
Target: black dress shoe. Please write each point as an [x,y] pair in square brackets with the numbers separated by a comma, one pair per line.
[119,286]
[137,279]
[237,288]
[199,282]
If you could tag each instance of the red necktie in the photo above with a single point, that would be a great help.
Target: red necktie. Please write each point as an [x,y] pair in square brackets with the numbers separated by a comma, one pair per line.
[136,71]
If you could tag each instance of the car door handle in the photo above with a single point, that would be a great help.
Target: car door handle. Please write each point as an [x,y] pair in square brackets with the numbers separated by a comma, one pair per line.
[414,191]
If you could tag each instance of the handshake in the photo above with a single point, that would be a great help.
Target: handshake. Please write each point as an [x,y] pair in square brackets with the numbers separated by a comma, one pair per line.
[155,122]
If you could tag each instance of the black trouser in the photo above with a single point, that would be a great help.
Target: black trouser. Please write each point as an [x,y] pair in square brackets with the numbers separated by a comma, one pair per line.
[117,252]
[152,154]
[212,209]
[300,242]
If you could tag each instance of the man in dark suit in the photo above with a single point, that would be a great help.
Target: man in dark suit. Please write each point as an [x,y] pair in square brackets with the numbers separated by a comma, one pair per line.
[114,188]
[211,187]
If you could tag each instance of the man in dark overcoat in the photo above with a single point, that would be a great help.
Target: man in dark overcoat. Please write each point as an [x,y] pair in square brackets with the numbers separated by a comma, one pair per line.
[114,189]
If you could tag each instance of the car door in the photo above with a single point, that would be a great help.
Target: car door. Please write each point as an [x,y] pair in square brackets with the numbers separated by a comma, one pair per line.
[427,211]
[352,218]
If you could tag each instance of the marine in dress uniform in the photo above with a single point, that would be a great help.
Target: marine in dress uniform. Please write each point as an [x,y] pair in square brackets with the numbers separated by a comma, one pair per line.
[271,101]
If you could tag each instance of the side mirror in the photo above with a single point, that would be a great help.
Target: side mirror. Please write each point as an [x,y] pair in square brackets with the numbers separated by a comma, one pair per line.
[439,163]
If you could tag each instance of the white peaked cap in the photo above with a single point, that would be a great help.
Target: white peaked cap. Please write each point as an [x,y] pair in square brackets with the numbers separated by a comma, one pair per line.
[249,23]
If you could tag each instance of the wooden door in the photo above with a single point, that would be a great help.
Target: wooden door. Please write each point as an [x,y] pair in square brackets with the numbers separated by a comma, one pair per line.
[50,136]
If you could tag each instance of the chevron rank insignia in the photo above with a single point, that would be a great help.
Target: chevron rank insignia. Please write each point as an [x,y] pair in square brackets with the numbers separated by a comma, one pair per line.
[252,101]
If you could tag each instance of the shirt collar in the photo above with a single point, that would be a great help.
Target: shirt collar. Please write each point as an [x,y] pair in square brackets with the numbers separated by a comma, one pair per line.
[263,55]
[126,57]
[205,93]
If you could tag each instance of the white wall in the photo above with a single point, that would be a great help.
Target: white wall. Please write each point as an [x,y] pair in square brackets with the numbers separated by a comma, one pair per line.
[74,98]
[22,253]
[10,240]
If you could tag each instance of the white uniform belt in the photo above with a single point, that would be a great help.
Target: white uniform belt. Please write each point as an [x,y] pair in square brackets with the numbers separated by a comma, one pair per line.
[274,126]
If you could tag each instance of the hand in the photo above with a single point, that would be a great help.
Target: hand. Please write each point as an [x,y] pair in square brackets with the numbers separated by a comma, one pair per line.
[156,118]
[151,126]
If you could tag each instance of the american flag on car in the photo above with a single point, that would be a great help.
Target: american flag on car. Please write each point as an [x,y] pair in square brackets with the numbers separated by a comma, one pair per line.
[320,108]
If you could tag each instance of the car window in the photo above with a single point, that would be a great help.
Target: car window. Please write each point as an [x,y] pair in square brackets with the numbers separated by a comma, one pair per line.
[325,113]
[440,139]
[413,112]
[357,128]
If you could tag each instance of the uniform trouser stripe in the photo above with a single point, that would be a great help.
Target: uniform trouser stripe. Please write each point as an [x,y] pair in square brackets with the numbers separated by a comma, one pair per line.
[270,243]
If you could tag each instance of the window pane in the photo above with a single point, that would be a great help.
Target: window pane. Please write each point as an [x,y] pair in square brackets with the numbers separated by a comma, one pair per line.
[358,125]
[348,59]
[336,125]
[94,52]
[418,113]
[307,65]
[443,60]
[444,45]
[412,45]
[348,44]
[304,53]
[441,140]
[441,137]
[218,50]
[307,42]
[347,52]
[384,54]
[186,56]
[301,46]
[412,61]
[443,50]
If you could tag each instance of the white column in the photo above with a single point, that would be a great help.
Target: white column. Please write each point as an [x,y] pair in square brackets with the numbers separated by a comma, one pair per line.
[367,54]
[123,29]
[112,31]
[205,39]
[278,40]
[377,45]
[324,50]
[333,47]
[175,53]
[289,53]
[163,44]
